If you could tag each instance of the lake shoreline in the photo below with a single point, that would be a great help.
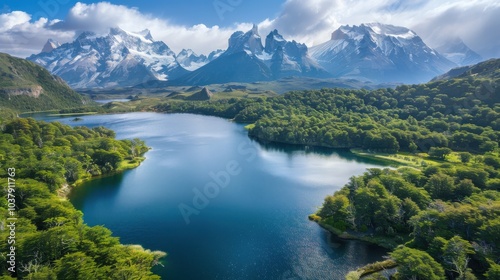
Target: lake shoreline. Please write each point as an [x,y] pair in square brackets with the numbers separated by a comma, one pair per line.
[65,190]
[110,205]
[387,243]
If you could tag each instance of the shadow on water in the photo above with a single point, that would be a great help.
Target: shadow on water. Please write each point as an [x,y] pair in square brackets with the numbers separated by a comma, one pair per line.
[107,186]
[293,149]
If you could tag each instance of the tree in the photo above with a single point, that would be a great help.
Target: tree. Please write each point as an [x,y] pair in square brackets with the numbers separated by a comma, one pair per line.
[492,161]
[439,153]
[493,273]
[76,266]
[465,188]
[488,146]
[102,158]
[416,264]
[440,186]
[73,168]
[335,206]
[465,157]
[456,253]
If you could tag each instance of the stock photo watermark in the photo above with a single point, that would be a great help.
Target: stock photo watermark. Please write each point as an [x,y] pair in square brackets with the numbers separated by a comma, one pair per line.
[224,6]
[11,220]
[218,181]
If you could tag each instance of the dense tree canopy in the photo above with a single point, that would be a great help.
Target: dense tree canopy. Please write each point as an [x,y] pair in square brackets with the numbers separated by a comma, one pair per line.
[52,242]
[461,114]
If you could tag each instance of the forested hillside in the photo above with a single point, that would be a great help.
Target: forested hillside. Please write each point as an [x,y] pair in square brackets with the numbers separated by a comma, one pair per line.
[25,86]
[51,239]
[461,114]
[487,69]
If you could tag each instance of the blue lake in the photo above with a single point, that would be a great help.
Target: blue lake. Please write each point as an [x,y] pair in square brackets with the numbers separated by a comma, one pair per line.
[221,205]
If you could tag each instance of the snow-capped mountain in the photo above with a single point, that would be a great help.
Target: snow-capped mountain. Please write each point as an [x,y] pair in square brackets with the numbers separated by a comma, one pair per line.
[381,53]
[290,58]
[247,60]
[215,54]
[50,46]
[120,58]
[457,51]
[192,61]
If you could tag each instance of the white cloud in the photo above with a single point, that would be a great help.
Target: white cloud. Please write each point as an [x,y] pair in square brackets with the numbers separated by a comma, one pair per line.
[10,20]
[99,18]
[21,37]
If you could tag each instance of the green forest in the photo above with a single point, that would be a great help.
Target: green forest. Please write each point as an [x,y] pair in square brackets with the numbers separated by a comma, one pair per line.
[51,239]
[440,217]
[460,114]
[441,220]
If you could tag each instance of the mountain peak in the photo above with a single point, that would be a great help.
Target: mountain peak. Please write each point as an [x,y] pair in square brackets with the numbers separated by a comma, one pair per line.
[374,29]
[249,42]
[457,51]
[50,46]
[86,35]
[273,41]
[188,59]
[144,36]
[255,29]
[146,33]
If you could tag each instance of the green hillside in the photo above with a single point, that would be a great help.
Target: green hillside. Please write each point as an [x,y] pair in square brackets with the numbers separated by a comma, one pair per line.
[25,86]
[487,69]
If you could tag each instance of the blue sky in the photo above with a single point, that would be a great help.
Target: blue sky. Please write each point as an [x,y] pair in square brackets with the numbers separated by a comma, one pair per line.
[206,25]
[209,12]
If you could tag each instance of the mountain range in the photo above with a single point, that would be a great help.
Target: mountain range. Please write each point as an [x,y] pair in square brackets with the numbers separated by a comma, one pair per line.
[248,60]
[372,52]
[120,58]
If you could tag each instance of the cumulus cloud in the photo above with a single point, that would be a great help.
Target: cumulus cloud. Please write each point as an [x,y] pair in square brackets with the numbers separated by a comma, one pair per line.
[101,16]
[22,37]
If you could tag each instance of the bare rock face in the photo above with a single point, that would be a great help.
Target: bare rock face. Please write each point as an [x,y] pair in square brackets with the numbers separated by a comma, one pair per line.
[34,91]
[50,46]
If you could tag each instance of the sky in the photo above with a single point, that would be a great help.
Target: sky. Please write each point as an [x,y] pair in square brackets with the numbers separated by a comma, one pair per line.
[205,25]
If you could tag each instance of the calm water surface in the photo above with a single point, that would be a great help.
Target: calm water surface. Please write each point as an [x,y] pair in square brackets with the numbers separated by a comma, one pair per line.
[254,227]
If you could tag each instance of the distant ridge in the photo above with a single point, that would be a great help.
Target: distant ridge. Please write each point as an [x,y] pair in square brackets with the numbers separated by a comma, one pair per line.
[486,69]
